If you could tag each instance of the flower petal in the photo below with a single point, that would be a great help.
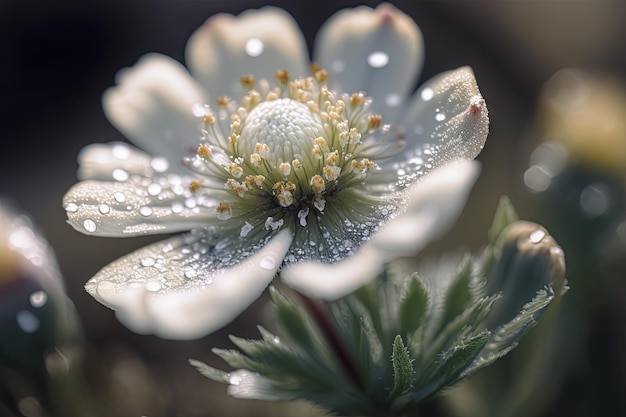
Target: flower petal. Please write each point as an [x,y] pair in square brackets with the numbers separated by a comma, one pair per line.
[138,206]
[257,42]
[431,206]
[447,120]
[175,289]
[116,160]
[377,50]
[153,105]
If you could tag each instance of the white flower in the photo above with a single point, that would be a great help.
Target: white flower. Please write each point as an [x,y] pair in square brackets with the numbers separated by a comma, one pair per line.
[287,168]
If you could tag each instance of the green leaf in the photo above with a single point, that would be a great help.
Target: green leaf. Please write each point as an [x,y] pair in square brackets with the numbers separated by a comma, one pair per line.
[403,373]
[505,215]
[292,319]
[413,307]
[210,372]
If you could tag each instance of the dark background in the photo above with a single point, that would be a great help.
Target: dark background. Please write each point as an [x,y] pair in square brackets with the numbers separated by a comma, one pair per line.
[56,59]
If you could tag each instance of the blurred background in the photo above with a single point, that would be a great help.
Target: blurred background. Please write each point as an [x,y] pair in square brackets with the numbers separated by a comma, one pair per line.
[553,74]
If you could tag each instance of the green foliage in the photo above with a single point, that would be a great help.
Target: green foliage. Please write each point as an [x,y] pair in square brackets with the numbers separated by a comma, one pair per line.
[403,337]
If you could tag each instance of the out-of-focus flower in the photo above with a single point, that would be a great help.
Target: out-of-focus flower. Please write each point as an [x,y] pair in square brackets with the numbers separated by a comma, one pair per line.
[405,336]
[39,336]
[327,171]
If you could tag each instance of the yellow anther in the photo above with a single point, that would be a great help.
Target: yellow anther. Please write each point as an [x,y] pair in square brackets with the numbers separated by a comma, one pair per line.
[296,164]
[262,149]
[233,138]
[317,184]
[271,96]
[247,80]
[223,101]
[373,121]
[315,67]
[282,76]
[320,76]
[332,158]
[235,170]
[255,159]
[285,169]
[331,173]
[194,186]
[209,119]
[357,99]
[224,211]
[236,187]
[204,151]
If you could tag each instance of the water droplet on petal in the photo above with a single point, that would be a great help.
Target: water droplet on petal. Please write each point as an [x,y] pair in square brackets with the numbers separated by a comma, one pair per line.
[440,117]
[190,272]
[377,59]
[537,236]
[119,197]
[71,207]
[104,209]
[268,263]
[254,47]
[154,189]
[427,94]
[38,299]
[148,261]
[145,211]
[120,151]
[177,208]
[120,175]
[27,321]
[89,225]
[159,164]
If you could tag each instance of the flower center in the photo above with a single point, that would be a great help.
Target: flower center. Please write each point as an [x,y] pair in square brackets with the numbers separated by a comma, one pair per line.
[292,156]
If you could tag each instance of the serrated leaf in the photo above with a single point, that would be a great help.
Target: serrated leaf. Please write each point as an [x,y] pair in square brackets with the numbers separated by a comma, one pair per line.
[461,357]
[209,372]
[403,373]
[292,319]
[413,307]
[505,215]
[458,294]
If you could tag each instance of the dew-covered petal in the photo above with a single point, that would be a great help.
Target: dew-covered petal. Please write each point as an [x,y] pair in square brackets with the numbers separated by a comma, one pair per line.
[153,106]
[257,42]
[447,120]
[137,206]
[431,207]
[379,51]
[179,289]
[116,161]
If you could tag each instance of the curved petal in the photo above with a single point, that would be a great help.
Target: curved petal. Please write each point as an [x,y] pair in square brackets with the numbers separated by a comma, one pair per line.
[257,42]
[174,289]
[377,50]
[431,207]
[153,106]
[115,161]
[447,120]
[138,206]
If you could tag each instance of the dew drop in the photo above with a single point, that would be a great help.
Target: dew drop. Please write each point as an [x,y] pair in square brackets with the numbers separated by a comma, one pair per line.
[190,272]
[154,189]
[38,299]
[191,203]
[27,321]
[145,211]
[393,100]
[148,261]
[377,59]
[159,164]
[120,175]
[254,47]
[177,208]
[89,225]
[120,151]
[537,236]
[440,117]
[119,197]
[104,209]
[427,94]
[268,263]
[71,207]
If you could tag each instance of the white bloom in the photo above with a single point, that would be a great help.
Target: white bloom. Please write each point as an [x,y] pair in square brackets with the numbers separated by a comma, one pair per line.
[360,148]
